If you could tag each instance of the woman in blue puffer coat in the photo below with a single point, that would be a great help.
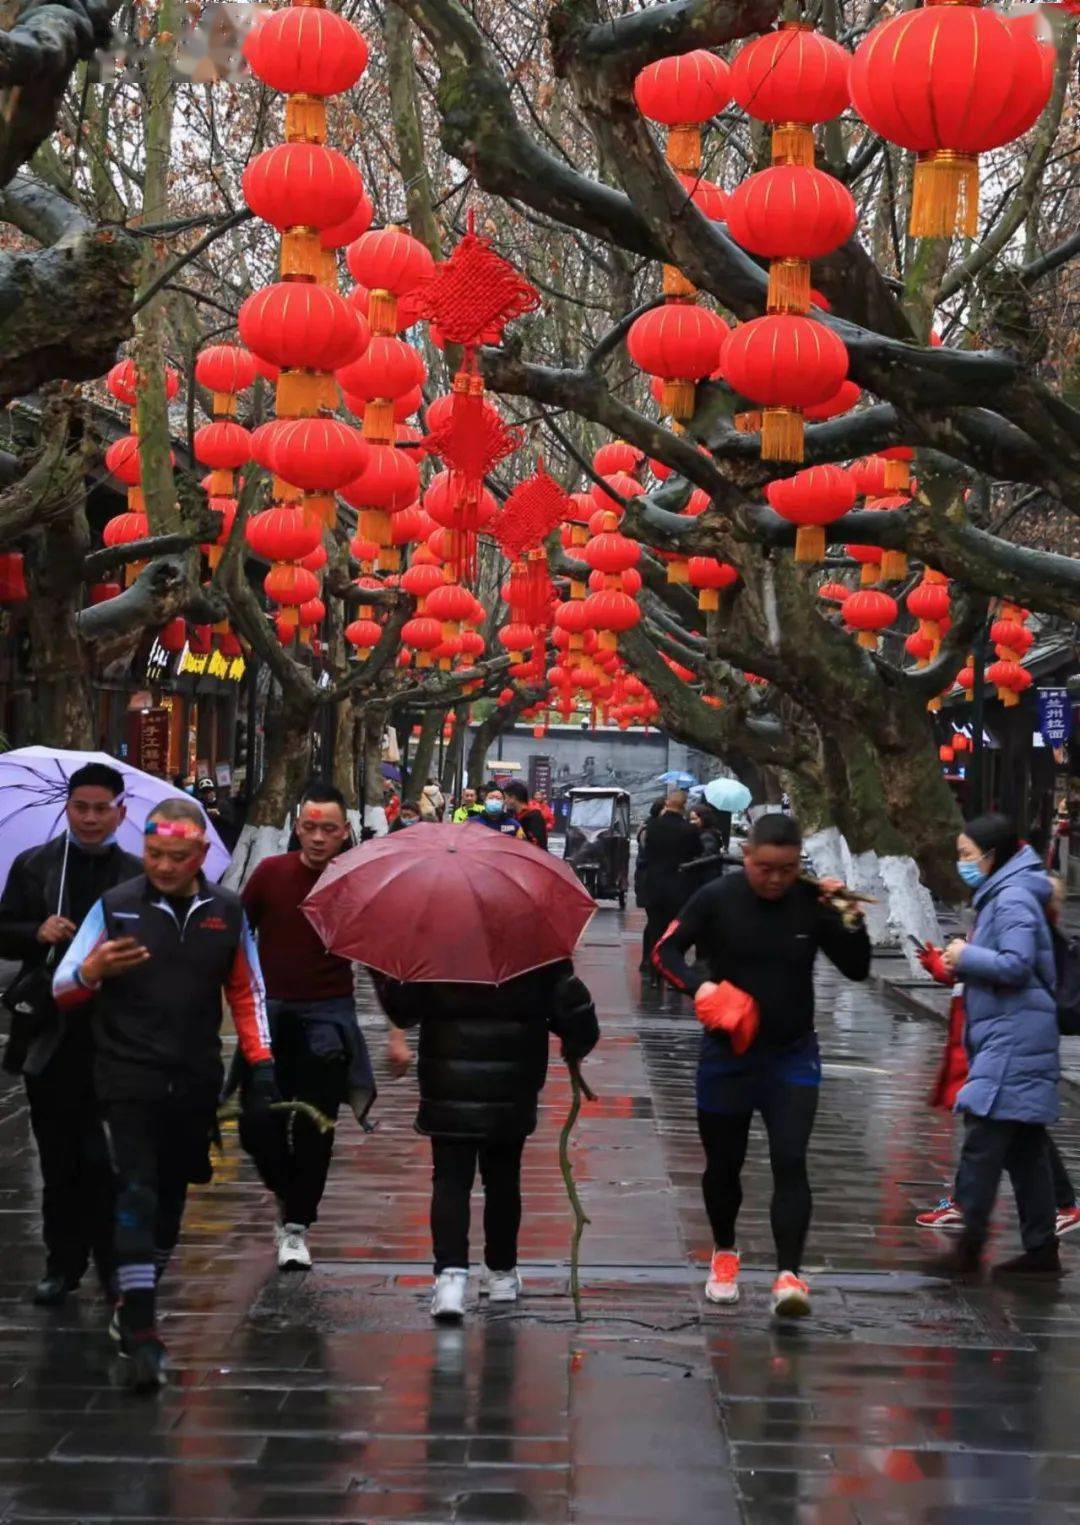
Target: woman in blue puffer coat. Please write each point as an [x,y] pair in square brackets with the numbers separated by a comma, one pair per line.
[1011,1035]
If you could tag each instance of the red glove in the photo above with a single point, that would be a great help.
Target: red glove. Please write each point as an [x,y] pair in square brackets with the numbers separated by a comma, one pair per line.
[726,1008]
[936,967]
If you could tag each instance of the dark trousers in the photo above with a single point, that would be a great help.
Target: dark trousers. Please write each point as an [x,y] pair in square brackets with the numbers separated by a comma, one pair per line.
[76,1177]
[788,1112]
[298,1178]
[157,1149]
[453,1170]
[993,1145]
[658,917]
[1064,1194]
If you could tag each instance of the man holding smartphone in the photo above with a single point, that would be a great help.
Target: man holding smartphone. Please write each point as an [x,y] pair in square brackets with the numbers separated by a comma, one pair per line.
[155,955]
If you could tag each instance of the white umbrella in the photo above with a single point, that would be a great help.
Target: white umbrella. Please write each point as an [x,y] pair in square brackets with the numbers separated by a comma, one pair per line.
[727,794]
[33,792]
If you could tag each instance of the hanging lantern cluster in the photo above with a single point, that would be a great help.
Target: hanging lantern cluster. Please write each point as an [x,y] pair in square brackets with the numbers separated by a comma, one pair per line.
[530,514]
[299,328]
[928,602]
[950,81]
[680,342]
[1012,640]
[223,445]
[812,499]
[122,459]
[789,214]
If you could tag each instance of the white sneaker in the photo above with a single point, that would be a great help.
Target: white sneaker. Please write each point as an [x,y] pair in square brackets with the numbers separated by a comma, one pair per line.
[448,1300]
[279,1234]
[293,1253]
[722,1285]
[501,1286]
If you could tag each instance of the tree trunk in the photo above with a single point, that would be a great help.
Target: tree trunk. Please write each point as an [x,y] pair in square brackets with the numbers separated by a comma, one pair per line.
[345,759]
[502,718]
[455,750]
[370,732]
[288,760]
[63,710]
[422,766]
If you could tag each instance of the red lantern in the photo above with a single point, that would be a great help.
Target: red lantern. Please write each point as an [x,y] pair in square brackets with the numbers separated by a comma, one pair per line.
[707,197]
[929,602]
[688,87]
[616,455]
[868,474]
[222,445]
[300,326]
[948,82]
[869,612]
[301,185]
[123,382]
[315,454]
[792,78]
[122,529]
[517,639]
[423,635]
[363,634]
[843,400]
[1011,639]
[919,646]
[390,264]
[711,577]
[122,459]
[681,344]
[312,612]
[869,557]
[790,214]
[225,368]
[290,585]
[834,592]
[1010,680]
[611,553]
[811,499]
[421,580]
[101,592]
[610,613]
[283,534]
[305,50]
[783,362]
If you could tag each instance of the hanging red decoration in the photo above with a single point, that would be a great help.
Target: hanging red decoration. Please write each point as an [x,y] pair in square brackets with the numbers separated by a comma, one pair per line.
[792,78]
[12,578]
[790,214]
[783,362]
[812,499]
[711,577]
[681,343]
[681,92]
[869,612]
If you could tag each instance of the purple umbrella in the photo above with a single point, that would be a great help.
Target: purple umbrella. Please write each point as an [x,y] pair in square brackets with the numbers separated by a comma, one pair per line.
[33,791]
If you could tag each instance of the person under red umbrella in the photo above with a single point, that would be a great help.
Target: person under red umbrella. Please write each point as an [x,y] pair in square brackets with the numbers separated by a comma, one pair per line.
[436,915]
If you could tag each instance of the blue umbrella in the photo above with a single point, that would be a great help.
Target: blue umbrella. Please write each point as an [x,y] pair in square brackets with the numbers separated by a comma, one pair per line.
[33,792]
[727,794]
[677,780]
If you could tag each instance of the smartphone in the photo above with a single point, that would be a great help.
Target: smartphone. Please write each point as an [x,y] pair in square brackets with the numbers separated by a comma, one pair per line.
[916,944]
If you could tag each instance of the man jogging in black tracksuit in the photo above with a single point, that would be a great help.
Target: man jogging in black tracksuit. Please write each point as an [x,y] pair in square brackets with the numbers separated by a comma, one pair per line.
[761,930]
[48,893]
[157,953]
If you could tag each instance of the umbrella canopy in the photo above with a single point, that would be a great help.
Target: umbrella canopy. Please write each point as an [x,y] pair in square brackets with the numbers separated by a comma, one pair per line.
[727,794]
[33,792]
[449,903]
[676,780]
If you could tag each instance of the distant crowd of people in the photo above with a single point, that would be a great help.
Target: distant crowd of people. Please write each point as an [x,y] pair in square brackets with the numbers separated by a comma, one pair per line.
[506,808]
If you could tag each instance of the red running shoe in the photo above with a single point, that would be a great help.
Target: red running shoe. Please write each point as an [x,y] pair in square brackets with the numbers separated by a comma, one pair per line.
[945,1215]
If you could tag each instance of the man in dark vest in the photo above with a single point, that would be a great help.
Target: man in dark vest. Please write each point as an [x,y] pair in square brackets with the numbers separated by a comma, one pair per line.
[48,893]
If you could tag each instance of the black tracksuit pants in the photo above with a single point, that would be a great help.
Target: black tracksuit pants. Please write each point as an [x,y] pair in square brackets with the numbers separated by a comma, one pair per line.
[158,1148]
[77,1181]
[454,1163]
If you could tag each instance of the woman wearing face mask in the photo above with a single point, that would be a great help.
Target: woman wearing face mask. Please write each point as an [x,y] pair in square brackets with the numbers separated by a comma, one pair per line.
[1011,1036]
[494,815]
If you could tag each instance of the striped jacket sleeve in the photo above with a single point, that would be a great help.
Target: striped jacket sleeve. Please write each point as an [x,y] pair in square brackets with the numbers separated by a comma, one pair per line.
[246,994]
[68,989]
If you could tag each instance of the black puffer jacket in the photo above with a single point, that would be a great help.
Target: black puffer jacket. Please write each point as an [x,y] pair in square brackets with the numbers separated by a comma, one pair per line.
[484,1048]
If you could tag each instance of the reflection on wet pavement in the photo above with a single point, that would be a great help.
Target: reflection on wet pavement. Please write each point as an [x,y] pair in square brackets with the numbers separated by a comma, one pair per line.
[331,1396]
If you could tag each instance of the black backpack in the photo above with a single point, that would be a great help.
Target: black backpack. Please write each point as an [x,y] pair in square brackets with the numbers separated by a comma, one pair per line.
[1067,959]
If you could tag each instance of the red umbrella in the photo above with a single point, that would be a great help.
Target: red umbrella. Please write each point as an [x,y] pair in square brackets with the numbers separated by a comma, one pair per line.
[449,903]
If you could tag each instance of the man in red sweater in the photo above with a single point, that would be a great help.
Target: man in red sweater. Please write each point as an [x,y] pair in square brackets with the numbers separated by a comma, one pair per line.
[320,1056]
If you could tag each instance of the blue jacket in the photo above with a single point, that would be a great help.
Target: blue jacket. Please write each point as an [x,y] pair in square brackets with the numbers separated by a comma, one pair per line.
[1009,979]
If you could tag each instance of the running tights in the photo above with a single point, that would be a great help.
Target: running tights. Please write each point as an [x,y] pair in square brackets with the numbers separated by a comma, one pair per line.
[788,1114]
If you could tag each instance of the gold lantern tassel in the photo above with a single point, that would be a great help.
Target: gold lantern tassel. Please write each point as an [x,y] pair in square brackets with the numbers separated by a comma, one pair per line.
[789,286]
[868,638]
[299,394]
[894,566]
[577,589]
[301,254]
[305,119]
[870,574]
[676,284]
[382,311]
[708,599]
[810,544]
[677,398]
[945,195]
[897,476]
[748,423]
[678,571]
[684,148]
[781,434]
[379,421]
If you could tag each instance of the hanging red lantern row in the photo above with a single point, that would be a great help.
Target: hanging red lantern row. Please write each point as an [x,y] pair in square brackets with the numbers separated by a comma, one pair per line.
[530,514]
[790,214]
[122,459]
[1012,640]
[224,370]
[680,342]
[950,81]
[710,577]
[928,602]
[298,325]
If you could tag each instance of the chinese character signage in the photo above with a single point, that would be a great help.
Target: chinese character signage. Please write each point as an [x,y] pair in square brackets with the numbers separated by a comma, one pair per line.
[1055,716]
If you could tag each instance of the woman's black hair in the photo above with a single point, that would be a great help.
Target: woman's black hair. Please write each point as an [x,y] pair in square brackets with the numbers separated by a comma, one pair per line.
[995,834]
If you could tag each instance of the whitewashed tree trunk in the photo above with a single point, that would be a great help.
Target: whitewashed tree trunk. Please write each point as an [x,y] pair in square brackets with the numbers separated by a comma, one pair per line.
[905,907]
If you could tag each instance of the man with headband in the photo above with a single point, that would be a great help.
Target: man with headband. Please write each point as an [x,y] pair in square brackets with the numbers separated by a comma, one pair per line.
[155,956]
[49,891]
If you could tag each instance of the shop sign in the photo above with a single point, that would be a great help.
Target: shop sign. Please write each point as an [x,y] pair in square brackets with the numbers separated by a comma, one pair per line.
[1055,716]
[148,741]
[213,665]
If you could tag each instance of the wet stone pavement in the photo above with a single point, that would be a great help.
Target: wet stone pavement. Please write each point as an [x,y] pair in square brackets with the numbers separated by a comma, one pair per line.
[330,1396]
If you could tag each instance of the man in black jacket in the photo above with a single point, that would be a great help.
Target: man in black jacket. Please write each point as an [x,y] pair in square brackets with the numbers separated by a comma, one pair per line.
[152,961]
[527,816]
[760,931]
[48,893]
[667,842]
[482,1064]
